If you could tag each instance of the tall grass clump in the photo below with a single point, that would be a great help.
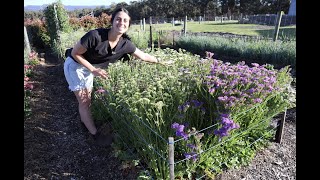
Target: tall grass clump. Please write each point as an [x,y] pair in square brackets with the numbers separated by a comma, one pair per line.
[218,113]
[279,53]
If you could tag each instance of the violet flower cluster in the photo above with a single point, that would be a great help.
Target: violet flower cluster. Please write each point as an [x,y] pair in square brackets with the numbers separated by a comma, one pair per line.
[227,125]
[193,103]
[240,84]
[193,147]
[180,130]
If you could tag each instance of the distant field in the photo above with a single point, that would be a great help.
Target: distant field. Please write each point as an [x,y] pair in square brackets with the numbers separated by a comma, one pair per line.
[226,27]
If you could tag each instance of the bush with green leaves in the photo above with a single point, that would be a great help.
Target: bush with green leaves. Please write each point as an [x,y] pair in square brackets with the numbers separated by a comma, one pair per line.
[218,113]
[37,33]
[56,21]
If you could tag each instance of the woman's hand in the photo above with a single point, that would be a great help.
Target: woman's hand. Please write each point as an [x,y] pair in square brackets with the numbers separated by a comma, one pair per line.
[100,72]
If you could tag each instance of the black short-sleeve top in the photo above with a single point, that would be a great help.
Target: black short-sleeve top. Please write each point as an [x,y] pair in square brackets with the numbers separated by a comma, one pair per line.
[98,48]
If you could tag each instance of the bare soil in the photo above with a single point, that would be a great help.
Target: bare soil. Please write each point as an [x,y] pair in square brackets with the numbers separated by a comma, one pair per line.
[57,147]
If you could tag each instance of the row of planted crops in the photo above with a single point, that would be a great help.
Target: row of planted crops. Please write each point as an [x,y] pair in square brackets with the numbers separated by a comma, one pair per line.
[218,113]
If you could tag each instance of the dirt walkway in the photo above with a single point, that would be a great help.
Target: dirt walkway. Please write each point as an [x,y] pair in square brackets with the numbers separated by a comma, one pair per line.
[55,144]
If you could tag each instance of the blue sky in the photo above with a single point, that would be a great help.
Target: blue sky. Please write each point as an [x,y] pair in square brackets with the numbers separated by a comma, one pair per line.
[75,2]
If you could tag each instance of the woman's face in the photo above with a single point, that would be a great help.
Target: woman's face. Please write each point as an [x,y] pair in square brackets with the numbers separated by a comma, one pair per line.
[121,22]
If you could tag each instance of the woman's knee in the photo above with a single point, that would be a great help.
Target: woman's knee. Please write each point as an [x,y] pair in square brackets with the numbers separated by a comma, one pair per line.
[84,98]
[85,102]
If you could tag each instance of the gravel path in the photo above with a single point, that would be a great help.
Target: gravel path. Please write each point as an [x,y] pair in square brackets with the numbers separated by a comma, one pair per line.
[56,147]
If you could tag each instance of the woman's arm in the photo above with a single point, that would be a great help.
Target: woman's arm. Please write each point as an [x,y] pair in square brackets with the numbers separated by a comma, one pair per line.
[145,56]
[77,52]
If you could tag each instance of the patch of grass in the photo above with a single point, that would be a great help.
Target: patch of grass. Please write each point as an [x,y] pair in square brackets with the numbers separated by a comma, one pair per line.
[226,27]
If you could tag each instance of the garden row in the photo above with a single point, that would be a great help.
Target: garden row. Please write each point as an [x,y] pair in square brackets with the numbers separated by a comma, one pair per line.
[219,114]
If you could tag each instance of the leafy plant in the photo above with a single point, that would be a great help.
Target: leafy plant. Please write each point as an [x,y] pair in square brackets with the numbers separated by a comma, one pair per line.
[219,113]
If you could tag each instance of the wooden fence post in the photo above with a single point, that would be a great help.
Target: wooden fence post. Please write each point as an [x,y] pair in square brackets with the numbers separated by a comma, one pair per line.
[159,40]
[173,39]
[144,24]
[57,22]
[141,25]
[151,41]
[171,158]
[185,26]
[26,40]
[280,125]
[276,30]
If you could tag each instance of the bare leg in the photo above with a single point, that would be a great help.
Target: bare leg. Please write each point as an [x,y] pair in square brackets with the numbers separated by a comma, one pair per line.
[84,100]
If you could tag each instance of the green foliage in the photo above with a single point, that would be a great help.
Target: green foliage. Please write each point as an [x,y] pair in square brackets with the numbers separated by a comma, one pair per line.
[37,33]
[140,39]
[33,15]
[89,22]
[56,21]
[146,101]
[67,40]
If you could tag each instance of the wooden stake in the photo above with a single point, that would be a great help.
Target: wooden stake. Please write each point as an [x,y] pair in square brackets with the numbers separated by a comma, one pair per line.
[280,128]
[171,158]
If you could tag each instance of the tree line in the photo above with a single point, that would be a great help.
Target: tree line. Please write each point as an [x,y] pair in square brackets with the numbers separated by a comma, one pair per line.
[180,8]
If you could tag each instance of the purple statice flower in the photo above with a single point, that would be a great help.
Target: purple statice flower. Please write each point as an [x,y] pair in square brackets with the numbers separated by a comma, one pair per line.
[191,155]
[179,130]
[257,100]
[227,125]
[174,125]
[251,90]
[255,64]
[184,107]
[211,77]
[212,90]
[192,146]
[196,103]
[100,90]
[223,98]
[209,54]
[270,87]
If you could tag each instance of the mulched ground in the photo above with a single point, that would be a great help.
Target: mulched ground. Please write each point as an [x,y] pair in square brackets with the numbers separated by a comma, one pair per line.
[56,147]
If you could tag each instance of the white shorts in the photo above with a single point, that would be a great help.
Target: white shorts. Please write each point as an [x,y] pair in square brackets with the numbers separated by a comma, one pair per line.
[77,76]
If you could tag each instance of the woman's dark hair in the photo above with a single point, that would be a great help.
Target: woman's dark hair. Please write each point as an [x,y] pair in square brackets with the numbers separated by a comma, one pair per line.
[114,15]
[119,10]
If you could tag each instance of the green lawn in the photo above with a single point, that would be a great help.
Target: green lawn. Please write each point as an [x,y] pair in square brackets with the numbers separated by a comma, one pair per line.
[226,27]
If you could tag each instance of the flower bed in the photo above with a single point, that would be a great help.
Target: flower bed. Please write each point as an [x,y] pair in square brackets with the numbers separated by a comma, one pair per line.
[218,113]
